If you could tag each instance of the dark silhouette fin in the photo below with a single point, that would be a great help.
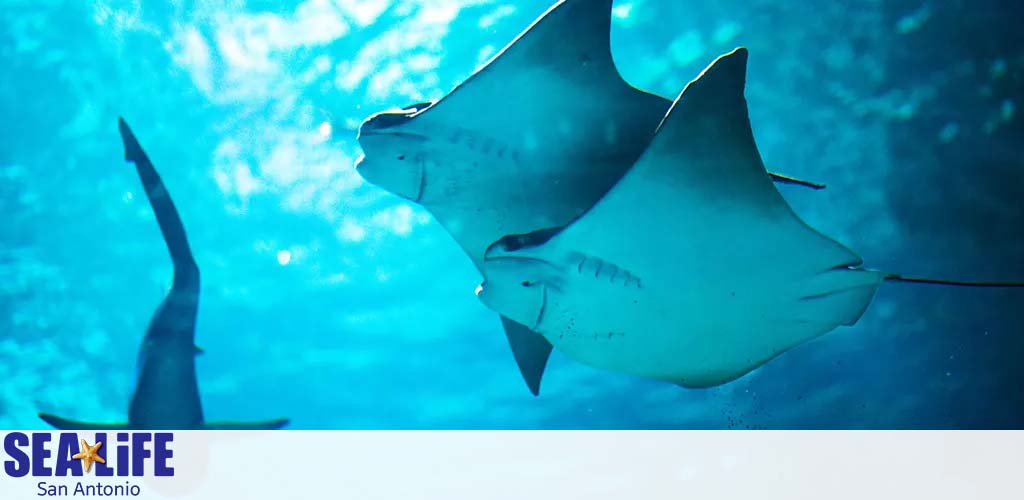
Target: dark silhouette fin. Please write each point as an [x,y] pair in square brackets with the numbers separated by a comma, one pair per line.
[785,179]
[132,150]
[198,350]
[163,207]
[76,425]
[531,351]
[974,284]
[246,426]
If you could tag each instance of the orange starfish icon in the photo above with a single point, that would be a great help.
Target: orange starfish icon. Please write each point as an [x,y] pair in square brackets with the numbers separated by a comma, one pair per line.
[89,455]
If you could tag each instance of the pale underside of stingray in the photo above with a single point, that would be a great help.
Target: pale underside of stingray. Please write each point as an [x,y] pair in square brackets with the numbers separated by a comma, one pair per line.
[692,269]
[530,141]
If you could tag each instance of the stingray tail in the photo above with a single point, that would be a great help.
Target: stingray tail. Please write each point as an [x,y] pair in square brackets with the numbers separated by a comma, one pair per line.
[975,284]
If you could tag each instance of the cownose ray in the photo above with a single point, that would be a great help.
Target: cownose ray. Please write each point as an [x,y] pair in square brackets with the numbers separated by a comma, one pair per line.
[693,268]
[531,140]
[166,393]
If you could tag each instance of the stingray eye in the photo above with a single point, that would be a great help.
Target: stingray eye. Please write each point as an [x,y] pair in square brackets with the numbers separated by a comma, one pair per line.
[401,157]
[526,283]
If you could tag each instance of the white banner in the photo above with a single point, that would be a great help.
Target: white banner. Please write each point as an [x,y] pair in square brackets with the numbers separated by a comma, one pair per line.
[475,465]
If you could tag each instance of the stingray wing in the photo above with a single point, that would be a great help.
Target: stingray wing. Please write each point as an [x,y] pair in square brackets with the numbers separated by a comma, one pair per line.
[732,276]
[702,178]
[556,88]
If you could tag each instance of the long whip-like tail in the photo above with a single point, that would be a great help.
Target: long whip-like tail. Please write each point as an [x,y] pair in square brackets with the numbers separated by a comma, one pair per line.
[932,281]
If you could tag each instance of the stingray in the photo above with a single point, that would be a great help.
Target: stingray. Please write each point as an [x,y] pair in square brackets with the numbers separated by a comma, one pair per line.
[691,269]
[531,140]
[166,392]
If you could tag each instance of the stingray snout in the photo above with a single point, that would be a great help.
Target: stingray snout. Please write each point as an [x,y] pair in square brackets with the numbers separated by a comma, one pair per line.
[402,177]
[393,155]
[391,159]
[508,292]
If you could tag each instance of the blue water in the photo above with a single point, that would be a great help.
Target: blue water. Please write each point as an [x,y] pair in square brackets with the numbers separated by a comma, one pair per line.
[330,301]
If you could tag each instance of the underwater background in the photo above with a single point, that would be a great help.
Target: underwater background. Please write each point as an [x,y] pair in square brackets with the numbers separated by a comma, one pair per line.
[329,301]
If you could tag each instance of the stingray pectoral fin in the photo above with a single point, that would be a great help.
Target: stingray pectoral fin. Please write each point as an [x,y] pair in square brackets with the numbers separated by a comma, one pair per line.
[531,351]
[703,163]
[259,425]
[67,424]
[565,52]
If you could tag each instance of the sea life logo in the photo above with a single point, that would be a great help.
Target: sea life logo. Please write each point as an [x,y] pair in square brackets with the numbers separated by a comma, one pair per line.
[89,454]
[66,454]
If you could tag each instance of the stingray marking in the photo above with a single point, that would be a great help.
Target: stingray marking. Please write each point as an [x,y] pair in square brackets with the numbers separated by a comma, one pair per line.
[401,135]
[599,266]
[699,217]
[488,146]
[569,128]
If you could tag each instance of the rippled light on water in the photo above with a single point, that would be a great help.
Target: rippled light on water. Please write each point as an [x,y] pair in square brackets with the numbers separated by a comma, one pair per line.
[284,257]
[622,11]
[325,129]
